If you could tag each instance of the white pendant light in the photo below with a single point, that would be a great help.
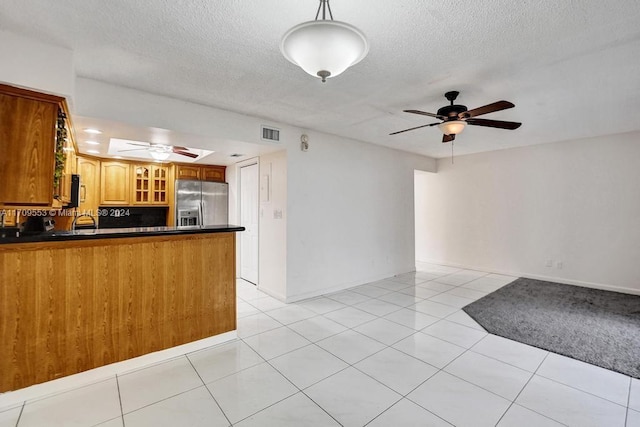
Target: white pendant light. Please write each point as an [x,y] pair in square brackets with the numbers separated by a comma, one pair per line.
[324,48]
[452,127]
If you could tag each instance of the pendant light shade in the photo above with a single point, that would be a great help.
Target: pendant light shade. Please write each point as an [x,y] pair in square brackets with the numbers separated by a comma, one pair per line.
[324,48]
[452,127]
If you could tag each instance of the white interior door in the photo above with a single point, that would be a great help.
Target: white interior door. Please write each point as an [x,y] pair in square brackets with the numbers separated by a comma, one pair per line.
[249,219]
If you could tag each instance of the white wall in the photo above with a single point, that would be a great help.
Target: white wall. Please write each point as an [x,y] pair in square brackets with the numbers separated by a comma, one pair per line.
[347,206]
[351,214]
[231,175]
[34,65]
[575,202]
[272,270]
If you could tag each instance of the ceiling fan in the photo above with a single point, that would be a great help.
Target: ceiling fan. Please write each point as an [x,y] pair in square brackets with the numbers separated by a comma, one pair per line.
[456,117]
[160,151]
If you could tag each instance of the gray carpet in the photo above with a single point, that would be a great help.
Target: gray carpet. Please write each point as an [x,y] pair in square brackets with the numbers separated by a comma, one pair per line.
[595,326]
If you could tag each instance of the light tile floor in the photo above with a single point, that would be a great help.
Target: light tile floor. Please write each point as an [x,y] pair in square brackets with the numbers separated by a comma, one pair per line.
[396,352]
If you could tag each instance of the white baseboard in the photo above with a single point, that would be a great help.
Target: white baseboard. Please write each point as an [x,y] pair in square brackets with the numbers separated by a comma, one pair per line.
[564,280]
[275,295]
[18,397]
[346,285]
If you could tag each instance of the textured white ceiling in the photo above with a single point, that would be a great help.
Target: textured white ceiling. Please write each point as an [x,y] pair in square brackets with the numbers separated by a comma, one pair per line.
[571,67]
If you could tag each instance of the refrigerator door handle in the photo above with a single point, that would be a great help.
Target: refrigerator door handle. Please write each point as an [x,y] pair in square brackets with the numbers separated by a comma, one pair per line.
[201,219]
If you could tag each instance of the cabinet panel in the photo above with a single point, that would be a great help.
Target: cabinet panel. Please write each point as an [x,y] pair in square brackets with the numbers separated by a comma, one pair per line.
[69,169]
[141,184]
[10,217]
[160,185]
[27,133]
[115,183]
[65,181]
[89,171]
[150,185]
[212,173]
[187,172]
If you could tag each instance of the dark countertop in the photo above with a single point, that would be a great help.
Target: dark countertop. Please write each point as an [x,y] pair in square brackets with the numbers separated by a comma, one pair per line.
[114,233]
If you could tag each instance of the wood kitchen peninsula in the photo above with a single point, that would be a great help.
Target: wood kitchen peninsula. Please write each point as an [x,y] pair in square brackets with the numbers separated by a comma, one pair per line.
[76,300]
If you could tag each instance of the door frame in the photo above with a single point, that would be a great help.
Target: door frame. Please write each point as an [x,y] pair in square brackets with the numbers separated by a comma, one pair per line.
[249,162]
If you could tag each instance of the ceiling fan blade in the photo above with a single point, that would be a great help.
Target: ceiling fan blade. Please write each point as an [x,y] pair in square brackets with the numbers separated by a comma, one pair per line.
[133,149]
[448,138]
[424,113]
[417,127]
[139,145]
[185,153]
[176,147]
[490,108]
[494,123]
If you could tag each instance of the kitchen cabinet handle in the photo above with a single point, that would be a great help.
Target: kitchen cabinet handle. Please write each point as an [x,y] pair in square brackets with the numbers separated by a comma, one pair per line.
[83,195]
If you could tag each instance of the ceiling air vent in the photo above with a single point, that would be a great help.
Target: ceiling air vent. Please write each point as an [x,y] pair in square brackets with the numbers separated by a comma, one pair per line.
[270,134]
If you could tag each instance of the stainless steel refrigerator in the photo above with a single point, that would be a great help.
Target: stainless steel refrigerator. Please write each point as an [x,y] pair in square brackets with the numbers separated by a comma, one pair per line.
[201,203]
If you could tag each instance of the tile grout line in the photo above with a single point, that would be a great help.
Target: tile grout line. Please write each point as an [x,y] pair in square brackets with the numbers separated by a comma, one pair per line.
[208,391]
[349,365]
[626,414]
[161,400]
[290,382]
[300,390]
[318,405]
[535,373]
[525,386]
[120,400]
[20,414]
[511,402]
[580,390]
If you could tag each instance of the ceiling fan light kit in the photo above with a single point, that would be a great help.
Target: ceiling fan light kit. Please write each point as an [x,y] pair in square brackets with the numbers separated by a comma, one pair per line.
[456,117]
[159,155]
[324,48]
[452,127]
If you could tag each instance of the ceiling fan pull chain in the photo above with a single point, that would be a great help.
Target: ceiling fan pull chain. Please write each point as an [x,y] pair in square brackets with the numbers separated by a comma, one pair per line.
[452,152]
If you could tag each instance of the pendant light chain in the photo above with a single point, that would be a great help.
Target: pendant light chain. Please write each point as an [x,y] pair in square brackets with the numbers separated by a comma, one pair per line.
[324,6]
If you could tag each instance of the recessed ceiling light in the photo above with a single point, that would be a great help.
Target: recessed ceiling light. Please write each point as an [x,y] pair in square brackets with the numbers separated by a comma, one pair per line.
[93,151]
[93,131]
[117,157]
[92,142]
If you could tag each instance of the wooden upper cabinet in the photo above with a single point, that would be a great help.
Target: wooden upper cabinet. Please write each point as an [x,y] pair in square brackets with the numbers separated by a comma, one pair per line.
[150,185]
[204,173]
[187,172]
[141,184]
[115,183]
[27,146]
[159,185]
[212,173]
[89,170]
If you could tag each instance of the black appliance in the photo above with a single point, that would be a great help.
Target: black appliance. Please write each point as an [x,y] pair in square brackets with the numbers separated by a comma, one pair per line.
[37,225]
[132,216]
[75,192]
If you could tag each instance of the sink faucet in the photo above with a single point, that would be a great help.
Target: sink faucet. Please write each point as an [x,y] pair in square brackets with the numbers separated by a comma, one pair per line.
[73,224]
